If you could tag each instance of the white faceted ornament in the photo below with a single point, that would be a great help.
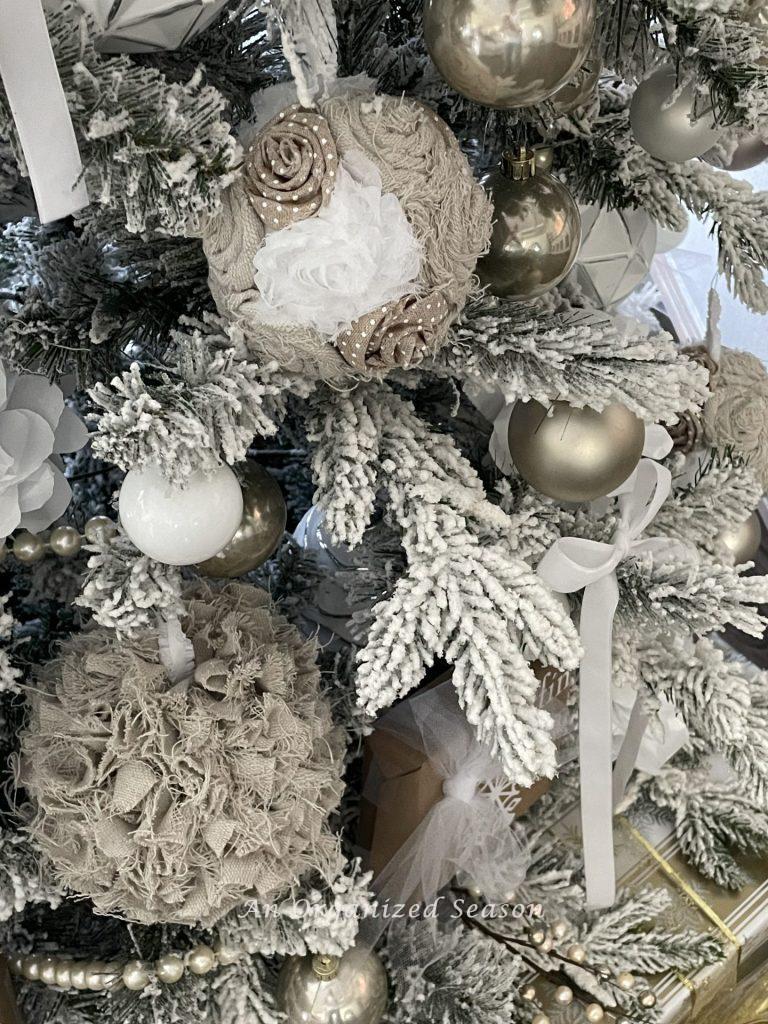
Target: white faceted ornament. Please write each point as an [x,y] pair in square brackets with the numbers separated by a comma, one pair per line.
[617,247]
[180,525]
[143,26]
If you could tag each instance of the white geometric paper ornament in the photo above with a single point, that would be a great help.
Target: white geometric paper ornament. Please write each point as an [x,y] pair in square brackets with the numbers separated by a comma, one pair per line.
[142,26]
[617,247]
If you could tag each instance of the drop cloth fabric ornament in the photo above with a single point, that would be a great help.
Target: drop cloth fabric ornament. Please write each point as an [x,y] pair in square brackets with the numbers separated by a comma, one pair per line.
[736,413]
[174,802]
[296,161]
[617,247]
[35,426]
[144,26]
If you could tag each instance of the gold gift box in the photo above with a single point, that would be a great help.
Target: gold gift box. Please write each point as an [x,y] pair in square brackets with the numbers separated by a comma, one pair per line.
[728,992]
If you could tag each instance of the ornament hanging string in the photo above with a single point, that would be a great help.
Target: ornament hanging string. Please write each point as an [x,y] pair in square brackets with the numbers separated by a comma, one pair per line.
[39,107]
[574,563]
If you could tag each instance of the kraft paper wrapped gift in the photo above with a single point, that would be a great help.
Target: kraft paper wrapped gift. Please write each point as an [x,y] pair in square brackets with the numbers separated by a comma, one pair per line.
[648,856]
[408,785]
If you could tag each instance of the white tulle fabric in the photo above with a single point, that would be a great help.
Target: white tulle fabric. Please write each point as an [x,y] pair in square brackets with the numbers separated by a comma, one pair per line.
[356,254]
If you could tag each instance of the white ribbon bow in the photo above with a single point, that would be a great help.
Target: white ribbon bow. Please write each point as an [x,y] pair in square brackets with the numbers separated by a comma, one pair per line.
[40,111]
[468,831]
[574,563]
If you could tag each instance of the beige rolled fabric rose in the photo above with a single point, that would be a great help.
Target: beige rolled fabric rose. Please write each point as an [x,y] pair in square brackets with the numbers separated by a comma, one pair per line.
[736,413]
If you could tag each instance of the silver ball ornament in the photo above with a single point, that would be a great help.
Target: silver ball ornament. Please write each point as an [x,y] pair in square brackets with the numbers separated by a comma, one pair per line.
[742,541]
[201,960]
[667,132]
[536,231]
[99,530]
[65,541]
[574,454]
[28,547]
[169,969]
[260,530]
[324,990]
[750,151]
[135,976]
[508,53]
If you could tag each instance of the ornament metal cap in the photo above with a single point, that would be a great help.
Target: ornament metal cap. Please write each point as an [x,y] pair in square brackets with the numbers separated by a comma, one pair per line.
[325,967]
[518,164]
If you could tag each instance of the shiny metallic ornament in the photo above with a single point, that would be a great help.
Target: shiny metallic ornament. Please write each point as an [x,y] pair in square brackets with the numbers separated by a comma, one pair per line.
[574,454]
[536,232]
[260,530]
[100,529]
[581,87]
[327,990]
[743,541]
[647,999]
[169,969]
[65,541]
[508,53]
[667,132]
[28,547]
[545,157]
[750,151]
[617,249]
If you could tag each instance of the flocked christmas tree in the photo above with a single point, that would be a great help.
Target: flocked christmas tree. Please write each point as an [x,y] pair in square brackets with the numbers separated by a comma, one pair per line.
[319,428]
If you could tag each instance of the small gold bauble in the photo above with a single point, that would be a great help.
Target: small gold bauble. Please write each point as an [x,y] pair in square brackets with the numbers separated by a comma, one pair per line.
[625,980]
[48,971]
[226,955]
[647,999]
[65,541]
[544,156]
[77,977]
[356,993]
[563,995]
[260,530]
[508,53]
[31,968]
[99,530]
[169,969]
[538,936]
[594,1013]
[560,929]
[135,976]
[529,994]
[28,547]
[743,541]
[64,974]
[536,231]
[540,1018]
[576,953]
[574,454]
[201,960]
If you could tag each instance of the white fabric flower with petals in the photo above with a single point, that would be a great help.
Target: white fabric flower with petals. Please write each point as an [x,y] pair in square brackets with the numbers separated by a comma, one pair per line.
[35,424]
[357,253]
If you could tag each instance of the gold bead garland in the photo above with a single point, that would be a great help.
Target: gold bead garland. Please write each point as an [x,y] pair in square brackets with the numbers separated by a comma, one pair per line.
[65,973]
[64,541]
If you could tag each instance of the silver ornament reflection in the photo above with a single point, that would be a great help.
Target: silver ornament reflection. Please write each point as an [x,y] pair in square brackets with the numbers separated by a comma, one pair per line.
[667,132]
[328,990]
[508,53]
[743,541]
[574,454]
[581,87]
[749,152]
[260,530]
[536,231]
[617,248]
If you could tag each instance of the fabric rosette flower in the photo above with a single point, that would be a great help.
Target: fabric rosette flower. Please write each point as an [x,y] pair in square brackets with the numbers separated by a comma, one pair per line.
[736,413]
[35,426]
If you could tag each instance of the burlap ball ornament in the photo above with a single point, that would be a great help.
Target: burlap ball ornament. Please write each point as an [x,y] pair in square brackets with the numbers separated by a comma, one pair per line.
[291,173]
[173,803]
[736,413]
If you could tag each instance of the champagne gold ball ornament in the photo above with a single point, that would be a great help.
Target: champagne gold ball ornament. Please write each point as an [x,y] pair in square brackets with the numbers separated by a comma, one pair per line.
[750,151]
[574,454]
[536,231]
[260,530]
[327,989]
[743,541]
[508,53]
[668,131]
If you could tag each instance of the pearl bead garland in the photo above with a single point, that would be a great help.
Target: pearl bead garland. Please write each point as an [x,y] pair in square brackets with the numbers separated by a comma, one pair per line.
[135,975]
[64,541]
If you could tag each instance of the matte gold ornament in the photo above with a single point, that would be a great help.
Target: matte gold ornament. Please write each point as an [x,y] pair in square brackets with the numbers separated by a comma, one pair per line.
[260,530]
[508,53]
[575,454]
[536,232]
[327,989]
[667,131]
[743,541]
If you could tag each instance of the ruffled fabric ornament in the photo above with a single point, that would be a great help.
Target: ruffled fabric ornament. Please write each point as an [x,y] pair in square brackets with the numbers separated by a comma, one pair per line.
[35,426]
[736,413]
[421,166]
[358,253]
[174,801]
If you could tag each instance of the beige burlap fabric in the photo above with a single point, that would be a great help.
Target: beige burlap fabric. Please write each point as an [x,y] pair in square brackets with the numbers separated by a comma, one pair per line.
[174,803]
[736,413]
[420,162]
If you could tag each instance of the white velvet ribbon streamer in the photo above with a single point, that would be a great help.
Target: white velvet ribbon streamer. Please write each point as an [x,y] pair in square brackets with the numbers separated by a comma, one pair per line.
[574,563]
[467,831]
[39,108]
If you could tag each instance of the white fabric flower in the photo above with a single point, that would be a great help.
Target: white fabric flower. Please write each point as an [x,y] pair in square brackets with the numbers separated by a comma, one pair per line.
[34,425]
[357,253]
